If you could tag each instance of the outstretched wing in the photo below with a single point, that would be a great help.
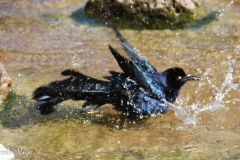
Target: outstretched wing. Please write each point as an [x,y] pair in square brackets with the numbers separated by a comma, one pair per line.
[143,71]
[135,56]
[126,65]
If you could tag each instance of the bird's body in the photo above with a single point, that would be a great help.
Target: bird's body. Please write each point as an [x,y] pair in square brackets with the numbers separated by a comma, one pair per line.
[120,91]
[140,90]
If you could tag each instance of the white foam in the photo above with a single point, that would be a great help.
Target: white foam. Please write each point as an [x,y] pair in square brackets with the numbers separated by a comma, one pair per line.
[5,154]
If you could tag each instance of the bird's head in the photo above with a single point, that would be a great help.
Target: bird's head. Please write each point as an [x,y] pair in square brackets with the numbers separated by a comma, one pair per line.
[176,77]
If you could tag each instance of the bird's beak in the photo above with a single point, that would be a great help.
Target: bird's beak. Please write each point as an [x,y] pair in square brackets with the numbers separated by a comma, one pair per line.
[191,77]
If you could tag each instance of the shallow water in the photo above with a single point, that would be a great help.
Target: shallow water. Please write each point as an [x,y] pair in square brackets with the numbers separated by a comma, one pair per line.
[39,39]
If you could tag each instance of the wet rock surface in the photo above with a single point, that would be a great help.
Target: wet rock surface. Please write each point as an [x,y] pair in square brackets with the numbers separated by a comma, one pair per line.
[144,13]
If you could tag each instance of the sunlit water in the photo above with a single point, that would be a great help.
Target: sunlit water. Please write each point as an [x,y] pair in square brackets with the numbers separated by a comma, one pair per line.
[39,39]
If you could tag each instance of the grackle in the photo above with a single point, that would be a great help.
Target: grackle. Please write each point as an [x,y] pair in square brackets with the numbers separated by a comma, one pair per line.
[139,90]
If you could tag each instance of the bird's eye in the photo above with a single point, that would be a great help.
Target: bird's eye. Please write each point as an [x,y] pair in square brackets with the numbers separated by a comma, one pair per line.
[179,77]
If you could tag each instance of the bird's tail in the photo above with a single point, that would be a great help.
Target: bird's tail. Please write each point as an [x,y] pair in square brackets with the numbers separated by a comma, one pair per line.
[76,87]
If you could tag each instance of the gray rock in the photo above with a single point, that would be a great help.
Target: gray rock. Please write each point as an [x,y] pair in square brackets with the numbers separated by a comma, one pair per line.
[142,11]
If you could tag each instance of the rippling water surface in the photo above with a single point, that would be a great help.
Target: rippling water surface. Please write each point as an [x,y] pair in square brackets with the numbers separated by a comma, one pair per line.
[40,38]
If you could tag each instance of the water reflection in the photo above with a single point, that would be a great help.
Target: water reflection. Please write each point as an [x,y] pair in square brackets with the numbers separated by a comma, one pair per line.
[211,17]
[80,18]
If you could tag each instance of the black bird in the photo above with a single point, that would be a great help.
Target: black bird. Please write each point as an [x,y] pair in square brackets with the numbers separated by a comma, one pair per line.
[165,85]
[140,90]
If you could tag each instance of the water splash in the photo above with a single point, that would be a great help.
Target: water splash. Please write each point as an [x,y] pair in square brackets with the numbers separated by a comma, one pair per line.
[189,114]
[223,8]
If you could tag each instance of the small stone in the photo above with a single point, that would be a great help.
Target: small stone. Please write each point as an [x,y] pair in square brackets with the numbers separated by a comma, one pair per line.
[188,5]
[5,82]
